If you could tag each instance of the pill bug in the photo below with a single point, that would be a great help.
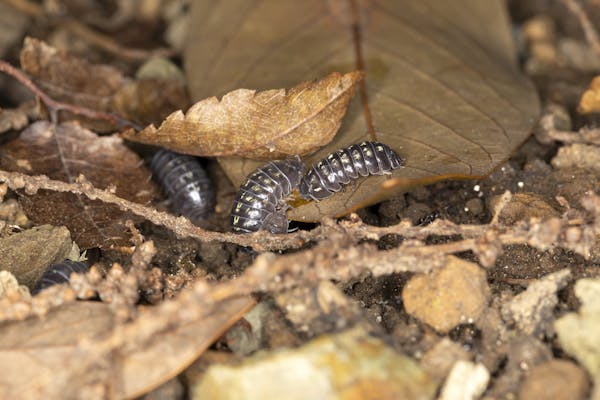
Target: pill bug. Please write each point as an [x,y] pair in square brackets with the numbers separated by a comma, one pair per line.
[260,203]
[339,168]
[59,273]
[185,183]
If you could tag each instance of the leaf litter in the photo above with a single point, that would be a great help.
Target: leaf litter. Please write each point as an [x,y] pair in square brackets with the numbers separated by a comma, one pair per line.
[65,152]
[271,124]
[350,272]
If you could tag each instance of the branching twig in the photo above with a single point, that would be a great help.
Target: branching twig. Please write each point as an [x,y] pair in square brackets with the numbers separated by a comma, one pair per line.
[55,106]
[548,133]
[484,240]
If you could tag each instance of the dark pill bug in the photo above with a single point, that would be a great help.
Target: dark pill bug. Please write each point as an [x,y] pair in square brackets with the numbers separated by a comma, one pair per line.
[260,203]
[185,183]
[339,168]
[59,273]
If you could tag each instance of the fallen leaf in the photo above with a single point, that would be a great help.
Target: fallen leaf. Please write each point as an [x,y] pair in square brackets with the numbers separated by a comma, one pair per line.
[261,125]
[100,87]
[55,357]
[64,152]
[441,85]
[171,352]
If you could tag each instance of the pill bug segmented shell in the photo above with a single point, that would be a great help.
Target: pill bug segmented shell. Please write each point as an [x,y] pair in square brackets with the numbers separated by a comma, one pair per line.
[185,183]
[260,203]
[59,273]
[339,168]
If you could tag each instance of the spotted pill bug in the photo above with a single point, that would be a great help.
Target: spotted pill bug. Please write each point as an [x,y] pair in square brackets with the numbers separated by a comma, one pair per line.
[328,176]
[260,203]
[59,273]
[185,183]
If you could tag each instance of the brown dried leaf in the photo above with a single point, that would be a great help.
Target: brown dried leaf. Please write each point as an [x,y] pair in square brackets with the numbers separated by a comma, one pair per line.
[64,152]
[260,125]
[57,357]
[441,83]
[100,87]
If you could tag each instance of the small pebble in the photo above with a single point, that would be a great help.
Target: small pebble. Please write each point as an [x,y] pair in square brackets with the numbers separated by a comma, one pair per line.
[555,380]
[456,294]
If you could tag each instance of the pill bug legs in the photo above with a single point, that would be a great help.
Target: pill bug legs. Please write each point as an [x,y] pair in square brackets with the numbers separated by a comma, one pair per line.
[59,273]
[185,183]
[260,203]
[339,168]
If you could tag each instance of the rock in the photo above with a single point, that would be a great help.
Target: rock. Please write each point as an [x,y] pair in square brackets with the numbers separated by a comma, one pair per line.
[474,206]
[466,381]
[556,380]
[439,360]
[578,332]
[27,254]
[532,310]
[350,365]
[455,294]
[416,212]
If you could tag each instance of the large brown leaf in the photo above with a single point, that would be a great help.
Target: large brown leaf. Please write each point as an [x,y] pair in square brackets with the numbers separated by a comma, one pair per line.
[441,83]
[260,125]
[56,357]
[63,152]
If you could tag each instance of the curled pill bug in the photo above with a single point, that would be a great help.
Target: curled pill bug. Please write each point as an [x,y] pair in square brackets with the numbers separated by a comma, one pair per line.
[59,273]
[260,203]
[186,184]
[339,168]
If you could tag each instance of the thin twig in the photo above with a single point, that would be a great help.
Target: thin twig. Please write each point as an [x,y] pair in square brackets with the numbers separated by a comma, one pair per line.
[55,106]
[484,240]
[591,35]
[548,133]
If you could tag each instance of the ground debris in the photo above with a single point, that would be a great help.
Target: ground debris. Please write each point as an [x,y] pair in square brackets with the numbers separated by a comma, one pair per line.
[439,360]
[578,155]
[466,381]
[320,309]
[578,332]
[522,354]
[9,286]
[532,311]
